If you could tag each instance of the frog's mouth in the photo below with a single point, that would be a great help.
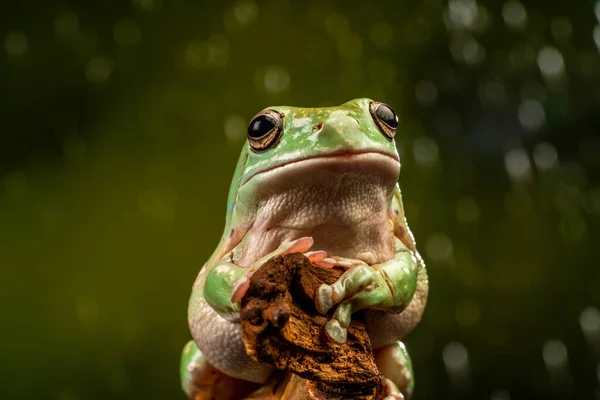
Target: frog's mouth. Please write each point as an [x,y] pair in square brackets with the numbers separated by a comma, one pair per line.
[368,162]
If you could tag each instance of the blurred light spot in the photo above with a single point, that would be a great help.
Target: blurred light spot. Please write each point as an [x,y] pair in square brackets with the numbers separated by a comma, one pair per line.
[517,164]
[555,354]
[463,13]
[590,322]
[531,115]
[337,25]
[561,28]
[158,206]
[500,394]
[213,52]
[514,14]
[473,53]
[551,62]
[127,32]
[66,23]
[439,247]
[425,151]
[87,310]
[15,184]
[349,45]
[235,128]
[98,69]
[467,313]
[596,35]
[484,20]
[597,10]
[467,210]
[493,92]
[426,93]
[598,372]
[148,5]
[276,79]
[456,361]
[381,34]
[16,44]
[74,147]
[518,203]
[245,11]
[545,156]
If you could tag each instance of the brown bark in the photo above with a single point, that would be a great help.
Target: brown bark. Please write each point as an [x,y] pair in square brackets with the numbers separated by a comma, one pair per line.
[282,327]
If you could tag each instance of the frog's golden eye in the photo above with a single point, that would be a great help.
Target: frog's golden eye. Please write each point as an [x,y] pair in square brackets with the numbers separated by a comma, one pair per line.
[385,118]
[265,130]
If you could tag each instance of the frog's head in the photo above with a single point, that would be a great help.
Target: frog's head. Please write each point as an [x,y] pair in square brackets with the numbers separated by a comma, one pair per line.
[288,146]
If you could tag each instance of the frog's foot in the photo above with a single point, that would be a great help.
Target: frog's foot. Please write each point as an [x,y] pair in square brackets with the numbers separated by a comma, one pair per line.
[392,391]
[302,245]
[201,381]
[395,364]
[361,286]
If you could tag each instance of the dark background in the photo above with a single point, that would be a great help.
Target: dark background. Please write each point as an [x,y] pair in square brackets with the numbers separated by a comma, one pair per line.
[121,123]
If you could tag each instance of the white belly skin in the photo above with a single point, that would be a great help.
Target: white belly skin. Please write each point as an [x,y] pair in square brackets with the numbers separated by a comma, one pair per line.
[221,343]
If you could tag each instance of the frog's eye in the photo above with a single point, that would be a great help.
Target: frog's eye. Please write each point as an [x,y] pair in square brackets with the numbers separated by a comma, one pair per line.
[385,118]
[265,130]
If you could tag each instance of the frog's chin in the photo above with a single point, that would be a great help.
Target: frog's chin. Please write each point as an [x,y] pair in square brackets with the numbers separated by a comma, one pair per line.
[326,168]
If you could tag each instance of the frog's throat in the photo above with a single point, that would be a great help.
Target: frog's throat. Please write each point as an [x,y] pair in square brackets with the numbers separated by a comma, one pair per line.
[341,156]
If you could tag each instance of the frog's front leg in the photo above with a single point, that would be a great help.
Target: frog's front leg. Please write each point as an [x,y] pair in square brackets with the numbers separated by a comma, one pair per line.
[389,286]
[214,313]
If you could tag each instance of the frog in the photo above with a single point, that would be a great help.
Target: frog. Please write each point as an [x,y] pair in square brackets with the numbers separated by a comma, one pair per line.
[322,182]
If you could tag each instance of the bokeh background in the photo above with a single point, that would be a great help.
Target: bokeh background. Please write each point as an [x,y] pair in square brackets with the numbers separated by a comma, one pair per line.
[121,122]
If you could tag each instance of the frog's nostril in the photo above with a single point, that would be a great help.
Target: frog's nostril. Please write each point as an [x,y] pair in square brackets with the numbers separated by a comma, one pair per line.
[318,126]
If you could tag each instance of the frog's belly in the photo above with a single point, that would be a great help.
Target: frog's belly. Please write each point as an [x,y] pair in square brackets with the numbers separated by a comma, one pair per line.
[220,341]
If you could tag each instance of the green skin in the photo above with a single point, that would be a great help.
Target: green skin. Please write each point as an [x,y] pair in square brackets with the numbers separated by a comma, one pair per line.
[267,217]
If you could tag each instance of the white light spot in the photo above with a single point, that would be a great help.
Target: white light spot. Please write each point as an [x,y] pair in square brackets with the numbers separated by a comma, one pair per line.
[426,93]
[555,354]
[127,32]
[596,35]
[517,164]
[16,44]
[597,10]
[545,156]
[561,28]
[551,62]
[473,52]
[425,151]
[66,23]
[276,79]
[500,394]
[456,358]
[467,210]
[245,11]
[514,14]
[235,128]
[463,13]
[531,115]
[590,322]
[98,70]
[439,247]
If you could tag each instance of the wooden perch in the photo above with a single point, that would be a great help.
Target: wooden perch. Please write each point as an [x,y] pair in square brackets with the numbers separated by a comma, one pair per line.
[282,327]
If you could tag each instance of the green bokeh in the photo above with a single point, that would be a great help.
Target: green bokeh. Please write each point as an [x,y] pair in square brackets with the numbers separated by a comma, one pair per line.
[122,122]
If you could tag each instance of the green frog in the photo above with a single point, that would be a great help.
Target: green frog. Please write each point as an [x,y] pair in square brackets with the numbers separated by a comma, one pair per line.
[323,182]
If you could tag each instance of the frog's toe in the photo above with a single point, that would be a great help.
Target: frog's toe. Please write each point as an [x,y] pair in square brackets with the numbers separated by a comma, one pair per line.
[301,245]
[336,332]
[239,289]
[393,392]
[324,300]
[316,256]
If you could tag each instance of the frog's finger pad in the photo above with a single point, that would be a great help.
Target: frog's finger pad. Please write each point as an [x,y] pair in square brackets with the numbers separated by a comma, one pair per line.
[301,245]
[239,289]
[316,257]
[336,332]
[324,298]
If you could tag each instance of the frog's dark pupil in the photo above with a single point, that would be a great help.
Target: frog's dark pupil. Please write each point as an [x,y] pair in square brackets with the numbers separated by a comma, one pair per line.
[387,115]
[260,126]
